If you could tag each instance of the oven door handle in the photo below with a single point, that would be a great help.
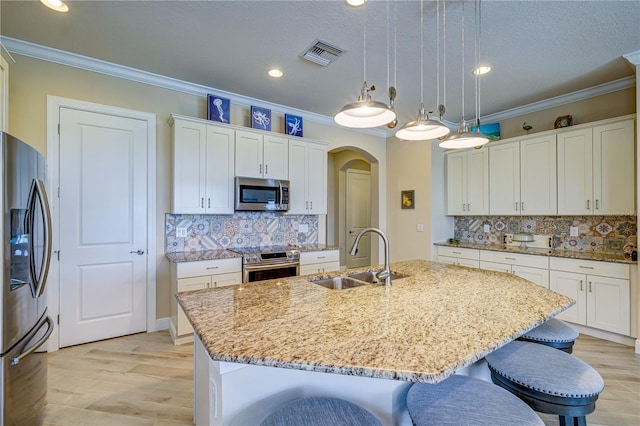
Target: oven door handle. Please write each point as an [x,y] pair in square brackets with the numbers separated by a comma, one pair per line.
[265,267]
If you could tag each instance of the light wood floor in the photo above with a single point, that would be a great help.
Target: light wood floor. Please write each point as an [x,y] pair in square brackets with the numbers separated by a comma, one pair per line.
[145,380]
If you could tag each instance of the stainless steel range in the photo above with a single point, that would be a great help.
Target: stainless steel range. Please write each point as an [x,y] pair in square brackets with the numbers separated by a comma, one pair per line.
[267,263]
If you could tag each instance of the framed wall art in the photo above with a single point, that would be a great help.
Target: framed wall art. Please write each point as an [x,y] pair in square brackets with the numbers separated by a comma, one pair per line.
[218,109]
[407,199]
[293,125]
[260,118]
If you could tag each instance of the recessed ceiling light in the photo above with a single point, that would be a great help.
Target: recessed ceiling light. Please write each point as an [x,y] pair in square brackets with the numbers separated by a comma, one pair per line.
[275,73]
[355,3]
[483,69]
[56,5]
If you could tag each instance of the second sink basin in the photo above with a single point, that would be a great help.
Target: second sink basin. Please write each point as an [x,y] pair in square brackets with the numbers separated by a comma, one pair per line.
[352,280]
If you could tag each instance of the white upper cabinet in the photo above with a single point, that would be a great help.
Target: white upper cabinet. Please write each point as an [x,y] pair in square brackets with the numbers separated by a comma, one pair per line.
[307,177]
[202,168]
[468,182]
[522,177]
[4,94]
[261,156]
[596,170]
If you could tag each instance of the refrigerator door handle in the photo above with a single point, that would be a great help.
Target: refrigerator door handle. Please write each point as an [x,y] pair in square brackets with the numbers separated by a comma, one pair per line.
[16,360]
[39,273]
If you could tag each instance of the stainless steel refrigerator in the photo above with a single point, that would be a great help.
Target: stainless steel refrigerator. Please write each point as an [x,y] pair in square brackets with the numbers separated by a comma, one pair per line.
[25,253]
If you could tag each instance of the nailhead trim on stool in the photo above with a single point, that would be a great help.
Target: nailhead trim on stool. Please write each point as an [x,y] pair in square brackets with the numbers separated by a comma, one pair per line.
[464,400]
[320,411]
[549,380]
[554,333]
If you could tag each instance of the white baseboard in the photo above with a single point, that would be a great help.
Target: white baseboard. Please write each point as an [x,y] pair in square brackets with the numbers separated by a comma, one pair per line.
[161,324]
[607,335]
[638,346]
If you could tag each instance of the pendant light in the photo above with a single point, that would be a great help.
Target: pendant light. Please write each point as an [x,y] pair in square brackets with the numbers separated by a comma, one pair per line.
[463,138]
[422,128]
[365,112]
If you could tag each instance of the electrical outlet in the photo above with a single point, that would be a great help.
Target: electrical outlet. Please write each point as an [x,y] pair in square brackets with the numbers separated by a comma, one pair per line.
[487,228]
[181,232]
[420,227]
[508,238]
[573,231]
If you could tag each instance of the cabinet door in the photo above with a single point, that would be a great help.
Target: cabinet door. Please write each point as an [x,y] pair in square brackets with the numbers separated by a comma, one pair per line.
[456,183]
[575,170]
[468,262]
[477,182]
[219,170]
[249,154]
[223,280]
[297,177]
[4,95]
[188,284]
[493,266]
[504,179]
[608,304]
[276,157]
[317,178]
[535,275]
[613,168]
[189,167]
[574,286]
[538,182]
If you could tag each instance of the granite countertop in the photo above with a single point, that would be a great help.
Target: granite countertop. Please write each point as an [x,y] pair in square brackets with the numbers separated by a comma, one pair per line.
[194,256]
[571,254]
[425,327]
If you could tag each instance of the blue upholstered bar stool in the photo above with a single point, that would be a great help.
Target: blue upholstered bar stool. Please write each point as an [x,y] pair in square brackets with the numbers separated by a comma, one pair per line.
[549,380]
[320,411]
[464,400]
[554,333]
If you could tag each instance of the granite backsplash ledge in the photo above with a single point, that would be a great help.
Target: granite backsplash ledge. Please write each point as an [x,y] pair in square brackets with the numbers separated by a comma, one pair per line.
[242,229]
[595,233]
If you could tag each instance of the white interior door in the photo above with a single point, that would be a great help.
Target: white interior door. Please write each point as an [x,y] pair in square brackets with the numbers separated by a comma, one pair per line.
[103,226]
[358,217]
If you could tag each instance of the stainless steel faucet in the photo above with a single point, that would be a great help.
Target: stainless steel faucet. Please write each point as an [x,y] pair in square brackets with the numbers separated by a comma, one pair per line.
[385,274]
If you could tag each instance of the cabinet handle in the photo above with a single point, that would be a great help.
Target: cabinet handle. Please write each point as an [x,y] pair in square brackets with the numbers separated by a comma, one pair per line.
[590,287]
[463,207]
[209,202]
[585,267]
[321,257]
[456,252]
[468,207]
[580,285]
[516,206]
[597,205]
[510,258]
[588,204]
[306,205]
[507,271]
[266,169]
[202,202]
[212,267]
[260,169]
[311,204]
[522,206]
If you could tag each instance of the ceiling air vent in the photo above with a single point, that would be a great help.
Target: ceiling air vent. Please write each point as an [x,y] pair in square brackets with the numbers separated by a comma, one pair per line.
[322,52]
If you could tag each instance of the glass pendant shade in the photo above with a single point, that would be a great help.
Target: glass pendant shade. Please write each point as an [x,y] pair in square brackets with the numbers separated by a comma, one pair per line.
[422,128]
[365,112]
[463,138]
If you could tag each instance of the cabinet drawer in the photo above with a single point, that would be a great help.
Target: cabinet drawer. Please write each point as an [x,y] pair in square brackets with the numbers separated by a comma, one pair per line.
[319,256]
[515,259]
[319,268]
[590,267]
[462,253]
[208,267]
[194,283]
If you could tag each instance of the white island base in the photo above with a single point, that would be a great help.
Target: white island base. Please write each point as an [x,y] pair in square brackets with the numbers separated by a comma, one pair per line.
[227,393]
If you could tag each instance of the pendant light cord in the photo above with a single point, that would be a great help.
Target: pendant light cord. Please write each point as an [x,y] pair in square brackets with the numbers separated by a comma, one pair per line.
[462,71]
[388,48]
[364,42]
[437,53]
[422,52]
[444,53]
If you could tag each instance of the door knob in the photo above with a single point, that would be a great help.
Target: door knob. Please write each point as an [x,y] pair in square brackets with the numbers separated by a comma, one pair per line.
[139,252]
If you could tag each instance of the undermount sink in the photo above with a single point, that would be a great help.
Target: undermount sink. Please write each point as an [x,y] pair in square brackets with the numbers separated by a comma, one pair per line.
[355,279]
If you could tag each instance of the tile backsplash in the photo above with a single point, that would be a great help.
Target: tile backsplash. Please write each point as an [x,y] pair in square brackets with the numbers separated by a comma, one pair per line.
[242,229]
[595,233]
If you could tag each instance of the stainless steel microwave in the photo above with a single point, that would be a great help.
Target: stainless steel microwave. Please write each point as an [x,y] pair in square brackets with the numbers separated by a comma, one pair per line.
[261,194]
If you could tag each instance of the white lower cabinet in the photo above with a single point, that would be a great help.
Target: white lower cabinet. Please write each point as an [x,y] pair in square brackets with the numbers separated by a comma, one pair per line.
[530,267]
[318,262]
[601,291]
[198,275]
[459,256]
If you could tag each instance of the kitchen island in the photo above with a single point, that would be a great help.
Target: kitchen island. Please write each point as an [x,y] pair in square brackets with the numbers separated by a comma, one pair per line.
[263,343]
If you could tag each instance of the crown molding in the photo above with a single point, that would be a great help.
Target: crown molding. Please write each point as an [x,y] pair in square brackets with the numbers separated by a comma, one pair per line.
[50,54]
[61,57]
[633,58]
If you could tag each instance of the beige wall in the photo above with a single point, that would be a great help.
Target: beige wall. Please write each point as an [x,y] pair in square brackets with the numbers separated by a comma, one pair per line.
[601,107]
[32,80]
[409,166]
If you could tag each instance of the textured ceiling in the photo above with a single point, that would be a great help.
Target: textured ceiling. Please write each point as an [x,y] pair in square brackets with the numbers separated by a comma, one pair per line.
[538,49]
